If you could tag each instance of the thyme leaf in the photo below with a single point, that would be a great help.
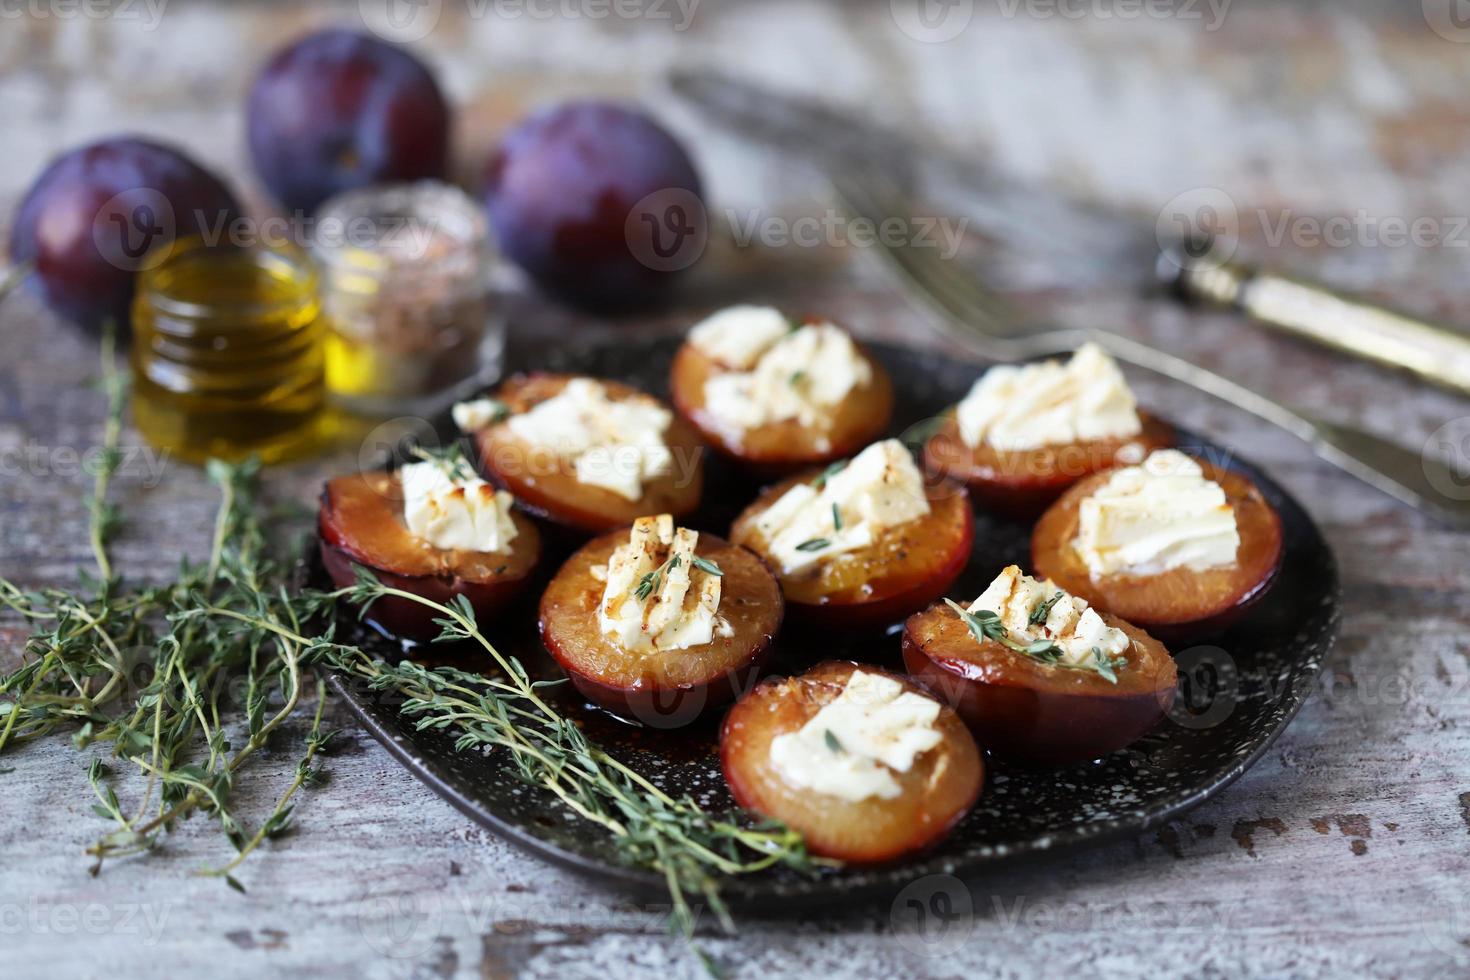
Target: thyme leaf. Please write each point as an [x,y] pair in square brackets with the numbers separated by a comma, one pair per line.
[814,544]
[1043,609]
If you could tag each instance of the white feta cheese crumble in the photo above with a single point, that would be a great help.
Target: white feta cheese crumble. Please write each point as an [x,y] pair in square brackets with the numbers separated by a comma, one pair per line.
[481,413]
[616,445]
[801,374]
[1071,623]
[879,489]
[1016,408]
[1160,515]
[738,335]
[851,748]
[656,597]
[455,514]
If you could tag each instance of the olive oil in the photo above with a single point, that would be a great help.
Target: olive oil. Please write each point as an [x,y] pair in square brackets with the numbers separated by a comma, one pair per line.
[227,353]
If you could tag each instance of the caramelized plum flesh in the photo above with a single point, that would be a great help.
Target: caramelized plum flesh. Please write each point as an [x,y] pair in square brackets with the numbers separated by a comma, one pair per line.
[936,792]
[781,447]
[908,567]
[547,485]
[671,687]
[1182,603]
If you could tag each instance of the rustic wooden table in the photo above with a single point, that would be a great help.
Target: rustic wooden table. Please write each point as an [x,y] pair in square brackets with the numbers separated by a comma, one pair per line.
[1344,850]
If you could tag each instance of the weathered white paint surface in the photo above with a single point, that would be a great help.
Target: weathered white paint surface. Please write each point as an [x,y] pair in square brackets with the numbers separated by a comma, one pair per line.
[1344,851]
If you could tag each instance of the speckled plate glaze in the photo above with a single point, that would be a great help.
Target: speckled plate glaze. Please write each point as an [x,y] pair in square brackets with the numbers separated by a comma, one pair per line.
[1235,697]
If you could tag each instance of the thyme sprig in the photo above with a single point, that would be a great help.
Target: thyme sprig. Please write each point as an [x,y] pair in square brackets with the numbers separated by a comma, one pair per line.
[135,670]
[185,681]
[651,581]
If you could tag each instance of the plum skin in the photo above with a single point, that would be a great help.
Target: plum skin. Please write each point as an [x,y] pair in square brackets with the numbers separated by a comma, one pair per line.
[337,110]
[674,706]
[57,222]
[560,188]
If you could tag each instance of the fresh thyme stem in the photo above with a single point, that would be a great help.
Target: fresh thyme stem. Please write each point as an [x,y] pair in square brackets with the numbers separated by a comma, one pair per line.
[103,517]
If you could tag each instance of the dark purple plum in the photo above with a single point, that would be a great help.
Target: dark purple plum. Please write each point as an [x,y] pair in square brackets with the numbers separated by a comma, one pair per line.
[597,202]
[96,215]
[338,110]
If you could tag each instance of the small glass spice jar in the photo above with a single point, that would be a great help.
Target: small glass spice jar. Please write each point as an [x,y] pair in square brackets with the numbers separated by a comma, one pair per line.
[406,291]
[227,355]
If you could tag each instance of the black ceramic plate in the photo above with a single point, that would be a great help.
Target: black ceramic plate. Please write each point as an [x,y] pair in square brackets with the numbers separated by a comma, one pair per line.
[1235,697]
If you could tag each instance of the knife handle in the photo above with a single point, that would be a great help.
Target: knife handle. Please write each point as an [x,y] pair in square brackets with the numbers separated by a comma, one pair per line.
[1437,353]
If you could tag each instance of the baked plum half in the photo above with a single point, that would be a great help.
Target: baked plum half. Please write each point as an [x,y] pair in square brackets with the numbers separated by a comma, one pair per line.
[361,522]
[863,763]
[1025,433]
[863,546]
[1035,696]
[1178,603]
[590,455]
[776,397]
[1023,483]
[659,623]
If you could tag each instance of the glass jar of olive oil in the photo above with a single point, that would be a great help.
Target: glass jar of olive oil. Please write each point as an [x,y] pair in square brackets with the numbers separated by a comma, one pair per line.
[227,353]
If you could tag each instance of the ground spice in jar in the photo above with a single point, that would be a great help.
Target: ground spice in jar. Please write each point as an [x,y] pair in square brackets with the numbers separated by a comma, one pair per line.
[406,294]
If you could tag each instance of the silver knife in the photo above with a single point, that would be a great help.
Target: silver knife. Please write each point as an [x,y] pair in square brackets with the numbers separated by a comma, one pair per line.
[1098,247]
[1418,479]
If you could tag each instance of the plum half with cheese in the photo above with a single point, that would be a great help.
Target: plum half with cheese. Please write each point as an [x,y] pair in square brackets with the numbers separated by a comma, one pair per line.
[778,396]
[865,765]
[863,543]
[431,529]
[1178,546]
[1025,433]
[660,623]
[1038,675]
[586,454]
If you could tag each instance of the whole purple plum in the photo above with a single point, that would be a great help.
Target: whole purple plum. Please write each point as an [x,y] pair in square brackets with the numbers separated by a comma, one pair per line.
[338,110]
[99,213]
[599,203]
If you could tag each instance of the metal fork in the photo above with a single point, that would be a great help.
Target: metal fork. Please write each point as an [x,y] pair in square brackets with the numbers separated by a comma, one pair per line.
[982,321]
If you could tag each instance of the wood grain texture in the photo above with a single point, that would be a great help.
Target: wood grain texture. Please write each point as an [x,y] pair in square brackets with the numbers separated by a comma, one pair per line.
[1344,851]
